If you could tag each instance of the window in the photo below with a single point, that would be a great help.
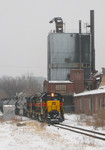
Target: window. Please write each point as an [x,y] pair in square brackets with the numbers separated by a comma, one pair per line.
[92,104]
[76,105]
[77,73]
[89,103]
[85,104]
[104,102]
[80,104]
[60,87]
[96,103]
[100,102]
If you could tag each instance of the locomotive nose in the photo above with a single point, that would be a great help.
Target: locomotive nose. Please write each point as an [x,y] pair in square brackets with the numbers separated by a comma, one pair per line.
[53,105]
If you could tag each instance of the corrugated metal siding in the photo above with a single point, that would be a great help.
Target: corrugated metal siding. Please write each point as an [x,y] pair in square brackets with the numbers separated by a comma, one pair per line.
[63,54]
[60,74]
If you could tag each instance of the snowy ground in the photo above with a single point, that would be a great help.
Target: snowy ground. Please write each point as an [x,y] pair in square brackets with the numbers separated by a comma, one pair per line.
[35,135]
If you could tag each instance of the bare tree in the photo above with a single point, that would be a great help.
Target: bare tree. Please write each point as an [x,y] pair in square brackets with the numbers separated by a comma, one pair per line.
[26,84]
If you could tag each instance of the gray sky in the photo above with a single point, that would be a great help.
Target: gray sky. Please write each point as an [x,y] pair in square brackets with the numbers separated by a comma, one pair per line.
[24,26]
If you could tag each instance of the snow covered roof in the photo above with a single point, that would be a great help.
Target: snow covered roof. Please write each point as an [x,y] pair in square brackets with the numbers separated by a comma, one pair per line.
[97,74]
[9,106]
[100,90]
[98,78]
[60,82]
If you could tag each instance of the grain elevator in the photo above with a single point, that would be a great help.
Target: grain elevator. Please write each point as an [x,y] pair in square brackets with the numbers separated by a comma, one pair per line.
[67,51]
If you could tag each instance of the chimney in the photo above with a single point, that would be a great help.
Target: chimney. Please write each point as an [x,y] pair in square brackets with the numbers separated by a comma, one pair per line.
[79,26]
[92,40]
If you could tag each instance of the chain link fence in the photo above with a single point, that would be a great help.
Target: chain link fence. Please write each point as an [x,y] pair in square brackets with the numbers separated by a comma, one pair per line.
[69,109]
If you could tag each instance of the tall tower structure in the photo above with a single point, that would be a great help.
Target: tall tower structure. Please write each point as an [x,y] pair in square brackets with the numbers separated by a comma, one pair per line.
[68,51]
[92,40]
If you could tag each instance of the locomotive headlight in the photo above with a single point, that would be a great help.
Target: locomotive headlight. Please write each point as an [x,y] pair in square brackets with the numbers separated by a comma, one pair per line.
[52,95]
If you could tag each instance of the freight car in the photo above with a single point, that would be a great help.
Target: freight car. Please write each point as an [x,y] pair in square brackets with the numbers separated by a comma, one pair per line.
[45,107]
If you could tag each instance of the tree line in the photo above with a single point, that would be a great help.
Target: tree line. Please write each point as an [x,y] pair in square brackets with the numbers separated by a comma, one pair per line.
[10,86]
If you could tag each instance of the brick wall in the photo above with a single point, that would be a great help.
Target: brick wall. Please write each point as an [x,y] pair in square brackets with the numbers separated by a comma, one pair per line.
[89,104]
[77,76]
[62,88]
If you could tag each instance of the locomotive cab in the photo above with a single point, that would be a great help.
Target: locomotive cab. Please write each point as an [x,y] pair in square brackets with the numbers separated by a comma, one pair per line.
[55,112]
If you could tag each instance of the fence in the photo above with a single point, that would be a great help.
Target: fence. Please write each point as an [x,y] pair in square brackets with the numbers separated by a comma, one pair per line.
[69,109]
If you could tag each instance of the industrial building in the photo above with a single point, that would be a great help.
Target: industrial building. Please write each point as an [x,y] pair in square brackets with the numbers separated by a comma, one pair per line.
[91,102]
[71,61]
[67,51]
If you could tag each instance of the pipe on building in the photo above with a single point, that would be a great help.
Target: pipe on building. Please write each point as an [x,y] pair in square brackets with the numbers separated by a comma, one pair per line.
[92,40]
[80,48]
[80,26]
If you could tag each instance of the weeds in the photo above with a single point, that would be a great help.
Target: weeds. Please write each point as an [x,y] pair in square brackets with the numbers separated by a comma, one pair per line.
[15,120]
[99,119]
[88,121]
[37,125]
[2,120]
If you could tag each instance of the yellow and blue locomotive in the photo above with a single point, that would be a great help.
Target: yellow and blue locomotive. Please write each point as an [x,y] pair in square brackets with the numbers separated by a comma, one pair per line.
[45,107]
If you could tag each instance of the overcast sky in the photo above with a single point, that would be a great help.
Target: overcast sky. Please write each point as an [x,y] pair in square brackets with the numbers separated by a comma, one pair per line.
[24,26]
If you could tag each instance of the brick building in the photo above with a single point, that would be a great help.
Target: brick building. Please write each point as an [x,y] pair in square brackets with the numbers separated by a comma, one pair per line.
[93,101]
[77,77]
[62,87]
[90,102]
[65,88]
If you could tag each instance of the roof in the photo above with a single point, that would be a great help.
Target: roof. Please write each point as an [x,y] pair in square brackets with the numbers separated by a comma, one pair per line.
[98,74]
[100,90]
[60,82]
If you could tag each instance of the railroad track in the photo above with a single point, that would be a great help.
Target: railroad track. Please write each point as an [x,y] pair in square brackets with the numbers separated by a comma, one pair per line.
[82,131]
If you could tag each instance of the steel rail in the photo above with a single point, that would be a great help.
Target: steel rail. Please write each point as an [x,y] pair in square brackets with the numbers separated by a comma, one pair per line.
[94,132]
[93,136]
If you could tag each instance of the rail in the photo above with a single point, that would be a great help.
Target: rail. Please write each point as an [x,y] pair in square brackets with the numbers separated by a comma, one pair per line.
[77,130]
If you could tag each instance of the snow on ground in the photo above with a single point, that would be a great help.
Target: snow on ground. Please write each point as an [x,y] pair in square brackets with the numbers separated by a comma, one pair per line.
[35,135]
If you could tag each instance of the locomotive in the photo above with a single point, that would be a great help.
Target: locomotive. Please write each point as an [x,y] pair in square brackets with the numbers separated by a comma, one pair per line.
[45,107]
